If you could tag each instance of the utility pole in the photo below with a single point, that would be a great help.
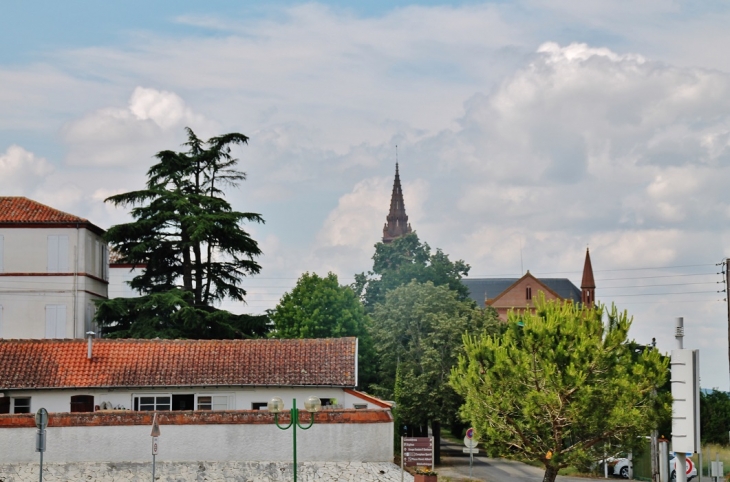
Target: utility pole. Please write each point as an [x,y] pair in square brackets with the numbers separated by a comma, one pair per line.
[727,299]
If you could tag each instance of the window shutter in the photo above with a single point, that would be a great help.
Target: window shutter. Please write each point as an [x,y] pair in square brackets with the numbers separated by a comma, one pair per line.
[53,254]
[50,321]
[63,254]
[60,321]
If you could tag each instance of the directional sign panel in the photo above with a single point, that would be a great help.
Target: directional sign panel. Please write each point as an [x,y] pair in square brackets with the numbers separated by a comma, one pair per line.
[417,451]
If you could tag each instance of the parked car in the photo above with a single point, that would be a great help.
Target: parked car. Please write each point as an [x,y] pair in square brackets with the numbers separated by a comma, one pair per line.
[620,467]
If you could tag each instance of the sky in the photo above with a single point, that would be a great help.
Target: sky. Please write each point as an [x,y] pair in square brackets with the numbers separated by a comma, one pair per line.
[527,131]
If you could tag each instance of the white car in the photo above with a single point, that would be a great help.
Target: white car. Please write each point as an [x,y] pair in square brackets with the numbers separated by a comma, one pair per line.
[620,467]
[673,466]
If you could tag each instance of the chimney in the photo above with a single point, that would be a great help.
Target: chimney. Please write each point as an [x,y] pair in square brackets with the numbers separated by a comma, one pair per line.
[90,337]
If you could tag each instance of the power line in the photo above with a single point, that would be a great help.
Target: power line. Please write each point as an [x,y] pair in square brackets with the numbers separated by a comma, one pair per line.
[651,286]
[664,294]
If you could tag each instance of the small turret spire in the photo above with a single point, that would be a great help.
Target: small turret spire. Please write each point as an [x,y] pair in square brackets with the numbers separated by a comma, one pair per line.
[588,284]
[397,220]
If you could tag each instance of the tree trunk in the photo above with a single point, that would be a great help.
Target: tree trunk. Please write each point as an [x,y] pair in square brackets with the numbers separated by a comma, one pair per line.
[551,473]
[436,430]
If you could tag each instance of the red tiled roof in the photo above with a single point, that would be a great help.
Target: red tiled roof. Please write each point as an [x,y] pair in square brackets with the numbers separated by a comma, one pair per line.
[24,210]
[37,364]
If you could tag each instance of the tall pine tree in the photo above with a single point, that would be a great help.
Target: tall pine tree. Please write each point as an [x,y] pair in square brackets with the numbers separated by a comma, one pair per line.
[192,245]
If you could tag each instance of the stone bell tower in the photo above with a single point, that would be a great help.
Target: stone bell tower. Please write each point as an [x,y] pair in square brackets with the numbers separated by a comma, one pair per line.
[397,221]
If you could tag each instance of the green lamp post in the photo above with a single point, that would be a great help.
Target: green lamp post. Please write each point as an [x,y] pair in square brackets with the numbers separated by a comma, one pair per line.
[311,405]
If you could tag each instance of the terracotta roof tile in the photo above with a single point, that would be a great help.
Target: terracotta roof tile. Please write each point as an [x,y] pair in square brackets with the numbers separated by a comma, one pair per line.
[24,210]
[26,364]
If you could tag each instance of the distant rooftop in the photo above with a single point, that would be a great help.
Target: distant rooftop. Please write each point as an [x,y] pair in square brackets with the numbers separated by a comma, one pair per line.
[17,210]
[482,289]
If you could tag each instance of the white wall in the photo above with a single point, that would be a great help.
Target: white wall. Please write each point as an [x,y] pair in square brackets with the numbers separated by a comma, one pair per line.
[28,284]
[118,277]
[333,442]
[242,398]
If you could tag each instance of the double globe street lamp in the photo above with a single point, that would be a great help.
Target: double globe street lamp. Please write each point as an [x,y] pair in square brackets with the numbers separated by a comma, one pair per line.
[311,405]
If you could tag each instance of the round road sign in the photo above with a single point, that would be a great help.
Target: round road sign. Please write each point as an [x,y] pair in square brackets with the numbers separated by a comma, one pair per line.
[470,433]
[470,442]
[690,466]
[41,418]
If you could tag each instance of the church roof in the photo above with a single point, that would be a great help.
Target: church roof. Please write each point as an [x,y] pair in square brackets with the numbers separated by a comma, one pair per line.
[481,289]
[588,281]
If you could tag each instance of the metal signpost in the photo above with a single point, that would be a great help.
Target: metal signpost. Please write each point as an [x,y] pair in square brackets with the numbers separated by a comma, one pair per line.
[155,433]
[41,421]
[416,452]
[471,444]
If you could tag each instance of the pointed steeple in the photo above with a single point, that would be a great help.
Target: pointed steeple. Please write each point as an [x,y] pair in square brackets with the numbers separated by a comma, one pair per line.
[397,220]
[588,285]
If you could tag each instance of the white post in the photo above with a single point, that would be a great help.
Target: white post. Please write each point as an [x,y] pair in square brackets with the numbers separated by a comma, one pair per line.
[605,462]
[681,467]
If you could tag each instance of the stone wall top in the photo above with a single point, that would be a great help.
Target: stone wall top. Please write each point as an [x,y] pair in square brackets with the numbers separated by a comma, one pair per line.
[198,417]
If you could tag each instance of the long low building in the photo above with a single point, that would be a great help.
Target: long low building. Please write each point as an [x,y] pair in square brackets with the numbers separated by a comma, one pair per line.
[210,399]
[162,375]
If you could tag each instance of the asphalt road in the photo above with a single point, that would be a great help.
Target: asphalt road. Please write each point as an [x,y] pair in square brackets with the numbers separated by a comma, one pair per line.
[493,470]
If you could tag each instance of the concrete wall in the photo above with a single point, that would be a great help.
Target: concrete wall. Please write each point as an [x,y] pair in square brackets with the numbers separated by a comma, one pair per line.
[27,286]
[239,398]
[336,436]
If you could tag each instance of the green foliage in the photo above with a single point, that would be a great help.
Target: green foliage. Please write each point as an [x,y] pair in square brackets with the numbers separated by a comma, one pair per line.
[561,382]
[172,314]
[318,307]
[417,333]
[186,235]
[715,417]
[406,259]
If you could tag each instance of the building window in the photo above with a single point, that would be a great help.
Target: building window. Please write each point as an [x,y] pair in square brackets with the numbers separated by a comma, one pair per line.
[212,402]
[4,405]
[360,406]
[58,254]
[528,293]
[151,403]
[259,406]
[327,402]
[82,403]
[55,321]
[21,405]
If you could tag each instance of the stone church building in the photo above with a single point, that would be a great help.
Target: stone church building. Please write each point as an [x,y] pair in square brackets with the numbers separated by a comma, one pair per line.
[502,294]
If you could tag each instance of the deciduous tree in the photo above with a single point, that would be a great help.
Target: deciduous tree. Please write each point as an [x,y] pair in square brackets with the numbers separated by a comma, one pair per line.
[319,307]
[559,384]
[417,333]
[404,260]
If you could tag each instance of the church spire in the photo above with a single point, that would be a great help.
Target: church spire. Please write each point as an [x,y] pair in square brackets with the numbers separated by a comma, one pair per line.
[397,224]
[588,285]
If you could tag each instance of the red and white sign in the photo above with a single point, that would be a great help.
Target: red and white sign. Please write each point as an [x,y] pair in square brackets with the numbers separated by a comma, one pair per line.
[690,465]
[154,446]
[470,433]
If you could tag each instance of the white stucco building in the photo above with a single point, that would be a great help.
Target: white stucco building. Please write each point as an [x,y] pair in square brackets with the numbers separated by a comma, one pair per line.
[177,375]
[53,265]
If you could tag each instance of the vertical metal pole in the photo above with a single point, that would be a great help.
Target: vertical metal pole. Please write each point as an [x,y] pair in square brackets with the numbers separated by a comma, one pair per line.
[699,472]
[727,298]
[40,474]
[153,467]
[471,459]
[295,421]
[401,458]
[605,462]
